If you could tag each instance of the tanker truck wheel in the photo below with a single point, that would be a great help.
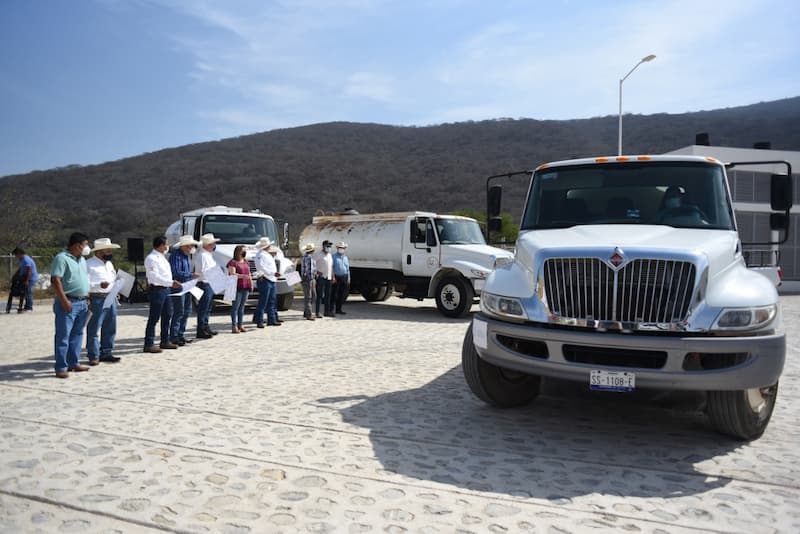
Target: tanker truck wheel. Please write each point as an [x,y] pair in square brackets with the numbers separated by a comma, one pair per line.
[376,293]
[454,296]
[494,385]
[285,301]
[742,414]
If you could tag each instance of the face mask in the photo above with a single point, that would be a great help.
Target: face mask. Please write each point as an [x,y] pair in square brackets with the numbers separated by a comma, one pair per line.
[192,250]
[86,251]
[672,203]
[327,249]
[108,257]
[340,250]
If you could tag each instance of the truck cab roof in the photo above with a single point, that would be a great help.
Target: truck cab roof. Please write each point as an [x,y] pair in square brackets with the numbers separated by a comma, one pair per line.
[389,216]
[623,159]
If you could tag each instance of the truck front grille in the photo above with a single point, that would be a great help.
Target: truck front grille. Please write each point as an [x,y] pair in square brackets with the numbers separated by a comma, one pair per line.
[643,291]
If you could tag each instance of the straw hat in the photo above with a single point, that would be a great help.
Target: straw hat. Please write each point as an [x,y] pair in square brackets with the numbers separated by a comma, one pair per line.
[309,247]
[341,244]
[272,249]
[208,239]
[184,241]
[264,242]
[103,243]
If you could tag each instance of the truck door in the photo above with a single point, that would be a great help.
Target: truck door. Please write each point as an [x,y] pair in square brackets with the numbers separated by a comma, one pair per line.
[421,252]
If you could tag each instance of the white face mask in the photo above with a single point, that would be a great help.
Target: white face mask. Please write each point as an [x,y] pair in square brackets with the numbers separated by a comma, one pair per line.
[192,250]
[340,250]
[86,251]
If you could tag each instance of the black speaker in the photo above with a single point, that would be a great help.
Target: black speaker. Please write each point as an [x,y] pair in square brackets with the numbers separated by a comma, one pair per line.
[135,249]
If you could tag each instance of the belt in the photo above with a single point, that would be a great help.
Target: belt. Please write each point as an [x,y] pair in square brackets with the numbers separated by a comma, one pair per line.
[158,287]
[98,295]
[75,299]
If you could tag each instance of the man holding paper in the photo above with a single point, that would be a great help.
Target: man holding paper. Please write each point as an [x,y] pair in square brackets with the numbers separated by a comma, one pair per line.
[181,265]
[159,283]
[203,264]
[103,320]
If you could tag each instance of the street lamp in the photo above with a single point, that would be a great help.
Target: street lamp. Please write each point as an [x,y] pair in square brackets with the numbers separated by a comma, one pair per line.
[645,59]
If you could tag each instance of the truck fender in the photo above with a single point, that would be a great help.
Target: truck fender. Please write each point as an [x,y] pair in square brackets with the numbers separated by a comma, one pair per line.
[439,275]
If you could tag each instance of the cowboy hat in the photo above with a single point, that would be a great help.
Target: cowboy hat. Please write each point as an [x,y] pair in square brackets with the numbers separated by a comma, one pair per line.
[208,239]
[103,243]
[341,244]
[309,247]
[326,243]
[184,241]
[264,242]
[272,249]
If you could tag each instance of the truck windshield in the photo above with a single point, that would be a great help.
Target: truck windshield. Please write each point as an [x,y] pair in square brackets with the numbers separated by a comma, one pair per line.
[459,232]
[680,194]
[239,229]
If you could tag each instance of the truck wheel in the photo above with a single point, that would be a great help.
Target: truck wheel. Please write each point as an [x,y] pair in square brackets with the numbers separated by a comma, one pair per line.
[494,385]
[387,293]
[375,293]
[454,296]
[742,414]
[285,301]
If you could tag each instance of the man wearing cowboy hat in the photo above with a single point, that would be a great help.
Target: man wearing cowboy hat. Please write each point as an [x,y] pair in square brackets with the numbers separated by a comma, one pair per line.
[203,261]
[324,280]
[308,274]
[181,265]
[341,276]
[102,321]
[266,278]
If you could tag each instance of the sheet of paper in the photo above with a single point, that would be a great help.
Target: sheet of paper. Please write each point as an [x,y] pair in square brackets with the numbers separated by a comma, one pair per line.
[293,278]
[128,281]
[230,289]
[196,292]
[186,287]
[112,294]
[217,279]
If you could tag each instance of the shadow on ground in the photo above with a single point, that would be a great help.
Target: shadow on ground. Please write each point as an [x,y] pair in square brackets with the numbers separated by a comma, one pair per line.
[570,442]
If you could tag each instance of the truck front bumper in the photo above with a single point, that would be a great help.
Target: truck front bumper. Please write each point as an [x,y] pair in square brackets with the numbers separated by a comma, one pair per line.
[541,351]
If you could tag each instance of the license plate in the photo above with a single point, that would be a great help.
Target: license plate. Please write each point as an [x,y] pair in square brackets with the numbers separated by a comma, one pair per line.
[612,380]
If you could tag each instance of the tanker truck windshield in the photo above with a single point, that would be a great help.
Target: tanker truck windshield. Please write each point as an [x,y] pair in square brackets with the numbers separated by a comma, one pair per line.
[678,194]
[239,229]
[459,232]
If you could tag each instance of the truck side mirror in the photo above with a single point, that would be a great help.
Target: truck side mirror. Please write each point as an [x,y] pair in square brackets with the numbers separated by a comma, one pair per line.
[493,201]
[778,221]
[781,192]
[495,224]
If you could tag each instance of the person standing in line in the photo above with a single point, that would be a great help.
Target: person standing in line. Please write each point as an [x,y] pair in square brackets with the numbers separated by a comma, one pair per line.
[180,264]
[203,261]
[238,266]
[70,281]
[324,279]
[102,321]
[159,282]
[308,274]
[272,287]
[341,273]
[262,261]
[29,276]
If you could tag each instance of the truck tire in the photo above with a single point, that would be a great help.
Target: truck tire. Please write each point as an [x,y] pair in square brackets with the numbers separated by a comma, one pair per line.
[376,293]
[742,414]
[454,296]
[494,385]
[285,301]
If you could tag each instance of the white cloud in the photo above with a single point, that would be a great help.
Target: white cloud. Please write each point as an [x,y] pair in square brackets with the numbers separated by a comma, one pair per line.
[370,85]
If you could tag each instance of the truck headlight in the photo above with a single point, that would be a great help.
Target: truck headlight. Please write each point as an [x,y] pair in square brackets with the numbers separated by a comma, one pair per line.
[480,273]
[745,318]
[499,306]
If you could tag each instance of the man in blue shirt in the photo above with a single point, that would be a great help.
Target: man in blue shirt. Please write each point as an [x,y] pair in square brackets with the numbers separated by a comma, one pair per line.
[181,265]
[27,270]
[341,274]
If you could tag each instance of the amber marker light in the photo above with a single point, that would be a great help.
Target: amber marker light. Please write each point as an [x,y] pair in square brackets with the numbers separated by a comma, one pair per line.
[712,160]
[622,158]
[643,158]
[542,166]
[601,160]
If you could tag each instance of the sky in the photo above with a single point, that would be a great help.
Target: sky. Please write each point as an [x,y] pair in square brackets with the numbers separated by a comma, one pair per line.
[89,81]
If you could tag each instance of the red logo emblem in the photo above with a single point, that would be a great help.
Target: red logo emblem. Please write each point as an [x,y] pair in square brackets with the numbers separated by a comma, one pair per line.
[617,258]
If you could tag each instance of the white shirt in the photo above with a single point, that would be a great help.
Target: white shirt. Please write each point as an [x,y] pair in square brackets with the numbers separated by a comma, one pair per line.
[100,271]
[325,265]
[265,266]
[157,269]
[203,261]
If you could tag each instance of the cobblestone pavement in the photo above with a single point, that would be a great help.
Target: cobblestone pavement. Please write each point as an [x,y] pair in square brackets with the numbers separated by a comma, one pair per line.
[363,423]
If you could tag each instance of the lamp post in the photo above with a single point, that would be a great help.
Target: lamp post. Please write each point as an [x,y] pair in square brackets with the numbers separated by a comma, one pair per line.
[645,59]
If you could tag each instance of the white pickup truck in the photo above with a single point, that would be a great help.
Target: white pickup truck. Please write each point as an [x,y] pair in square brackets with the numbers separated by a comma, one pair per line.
[418,254]
[628,273]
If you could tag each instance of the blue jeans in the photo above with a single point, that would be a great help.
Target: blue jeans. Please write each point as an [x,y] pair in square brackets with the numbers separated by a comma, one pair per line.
[103,322]
[181,308]
[69,333]
[29,296]
[258,315]
[160,309]
[324,295]
[204,308]
[237,309]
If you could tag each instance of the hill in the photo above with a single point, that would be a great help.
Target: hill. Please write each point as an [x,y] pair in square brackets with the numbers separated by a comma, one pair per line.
[293,173]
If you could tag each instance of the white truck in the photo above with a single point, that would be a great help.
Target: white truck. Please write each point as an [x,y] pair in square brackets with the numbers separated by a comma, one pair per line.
[418,254]
[235,226]
[628,273]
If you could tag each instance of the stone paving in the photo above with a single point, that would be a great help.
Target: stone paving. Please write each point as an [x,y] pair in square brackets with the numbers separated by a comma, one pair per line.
[363,423]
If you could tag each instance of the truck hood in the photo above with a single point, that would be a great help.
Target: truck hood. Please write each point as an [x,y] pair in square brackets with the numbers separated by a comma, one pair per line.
[718,246]
[481,255]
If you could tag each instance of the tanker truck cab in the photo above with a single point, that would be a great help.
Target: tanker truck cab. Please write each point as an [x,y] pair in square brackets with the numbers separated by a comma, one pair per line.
[233,227]
[628,273]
